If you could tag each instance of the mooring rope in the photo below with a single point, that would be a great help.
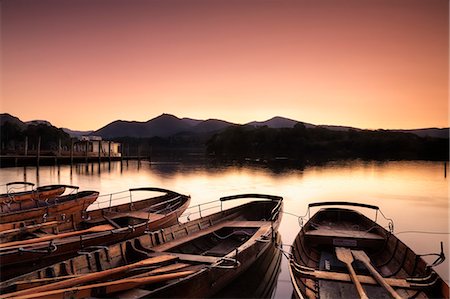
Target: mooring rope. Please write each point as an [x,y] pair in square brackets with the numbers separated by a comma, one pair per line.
[422,232]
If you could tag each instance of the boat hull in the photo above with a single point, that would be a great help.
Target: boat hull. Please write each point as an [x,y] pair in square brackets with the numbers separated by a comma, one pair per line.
[40,193]
[68,205]
[318,271]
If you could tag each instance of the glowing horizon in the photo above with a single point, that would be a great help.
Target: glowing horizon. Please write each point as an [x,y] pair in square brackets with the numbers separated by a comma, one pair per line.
[83,64]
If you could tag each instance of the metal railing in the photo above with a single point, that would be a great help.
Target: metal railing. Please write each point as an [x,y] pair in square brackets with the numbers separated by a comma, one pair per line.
[201,208]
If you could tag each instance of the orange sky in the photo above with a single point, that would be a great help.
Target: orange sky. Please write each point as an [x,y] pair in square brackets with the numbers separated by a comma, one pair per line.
[84,63]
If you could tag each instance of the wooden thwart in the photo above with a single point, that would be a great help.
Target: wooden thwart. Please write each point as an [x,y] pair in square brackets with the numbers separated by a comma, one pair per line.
[326,275]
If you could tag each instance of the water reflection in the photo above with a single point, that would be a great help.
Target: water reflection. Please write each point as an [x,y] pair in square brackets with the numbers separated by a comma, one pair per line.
[414,194]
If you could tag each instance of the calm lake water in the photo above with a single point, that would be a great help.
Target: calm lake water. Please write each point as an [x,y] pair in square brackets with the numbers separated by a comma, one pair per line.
[414,194]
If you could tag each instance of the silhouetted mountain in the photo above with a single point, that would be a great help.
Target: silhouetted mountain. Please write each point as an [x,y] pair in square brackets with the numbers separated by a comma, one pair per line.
[77,134]
[211,125]
[38,122]
[6,117]
[338,128]
[276,123]
[191,122]
[163,126]
[167,125]
[429,132]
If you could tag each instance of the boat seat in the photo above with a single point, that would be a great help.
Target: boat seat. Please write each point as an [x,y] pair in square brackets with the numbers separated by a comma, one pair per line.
[343,237]
[325,232]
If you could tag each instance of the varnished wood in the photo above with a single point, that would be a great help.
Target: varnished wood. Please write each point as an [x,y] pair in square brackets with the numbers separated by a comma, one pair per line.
[90,277]
[18,244]
[362,256]
[345,256]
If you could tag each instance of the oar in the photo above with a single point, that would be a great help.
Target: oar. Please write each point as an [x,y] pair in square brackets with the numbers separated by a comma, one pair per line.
[362,256]
[32,283]
[345,256]
[91,276]
[28,228]
[106,287]
[17,244]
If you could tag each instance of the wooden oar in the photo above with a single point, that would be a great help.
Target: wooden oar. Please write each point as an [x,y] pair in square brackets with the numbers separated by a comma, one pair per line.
[17,244]
[345,256]
[362,256]
[28,228]
[91,276]
[106,287]
[31,283]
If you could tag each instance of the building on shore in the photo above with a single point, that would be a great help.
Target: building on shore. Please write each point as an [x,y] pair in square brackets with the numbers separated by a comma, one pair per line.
[93,146]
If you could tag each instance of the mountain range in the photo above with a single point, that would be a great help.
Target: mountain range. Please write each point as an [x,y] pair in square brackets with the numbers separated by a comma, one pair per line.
[167,125]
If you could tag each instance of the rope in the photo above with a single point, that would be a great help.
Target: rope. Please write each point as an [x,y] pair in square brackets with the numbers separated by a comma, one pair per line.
[286,254]
[422,232]
[233,233]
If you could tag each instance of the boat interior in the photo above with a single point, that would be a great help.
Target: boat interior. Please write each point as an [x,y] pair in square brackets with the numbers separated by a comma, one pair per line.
[320,271]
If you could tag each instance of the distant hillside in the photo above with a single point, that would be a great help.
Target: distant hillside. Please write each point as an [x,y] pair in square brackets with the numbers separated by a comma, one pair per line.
[276,123]
[164,125]
[211,125]
[6,117]
[38,122]
[167,125]
[76,133]
[429,132]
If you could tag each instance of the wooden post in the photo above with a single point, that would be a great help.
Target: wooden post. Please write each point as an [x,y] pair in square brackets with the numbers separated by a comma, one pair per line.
[26,146]
[71,152]
[99,150]
[109,151]
[86,143]
[139,153]
[38,152]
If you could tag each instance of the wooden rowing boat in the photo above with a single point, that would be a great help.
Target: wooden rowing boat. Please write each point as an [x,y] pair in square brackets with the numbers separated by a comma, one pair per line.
[38,210]
[34,246]
[194,259]
[340,253]
[260,280]
[39,193]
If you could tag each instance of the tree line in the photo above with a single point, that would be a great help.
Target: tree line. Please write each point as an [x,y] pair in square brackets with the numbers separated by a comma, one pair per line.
[321,144]
[13,137]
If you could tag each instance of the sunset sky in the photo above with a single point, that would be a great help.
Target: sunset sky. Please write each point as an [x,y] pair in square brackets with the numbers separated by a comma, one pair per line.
[82,64]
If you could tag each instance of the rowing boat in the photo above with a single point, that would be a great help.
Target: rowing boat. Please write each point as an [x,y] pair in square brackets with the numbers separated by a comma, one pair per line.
[260,280]
[194,259]
[38,209]
[340,253]
[34,246]
[39,193]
